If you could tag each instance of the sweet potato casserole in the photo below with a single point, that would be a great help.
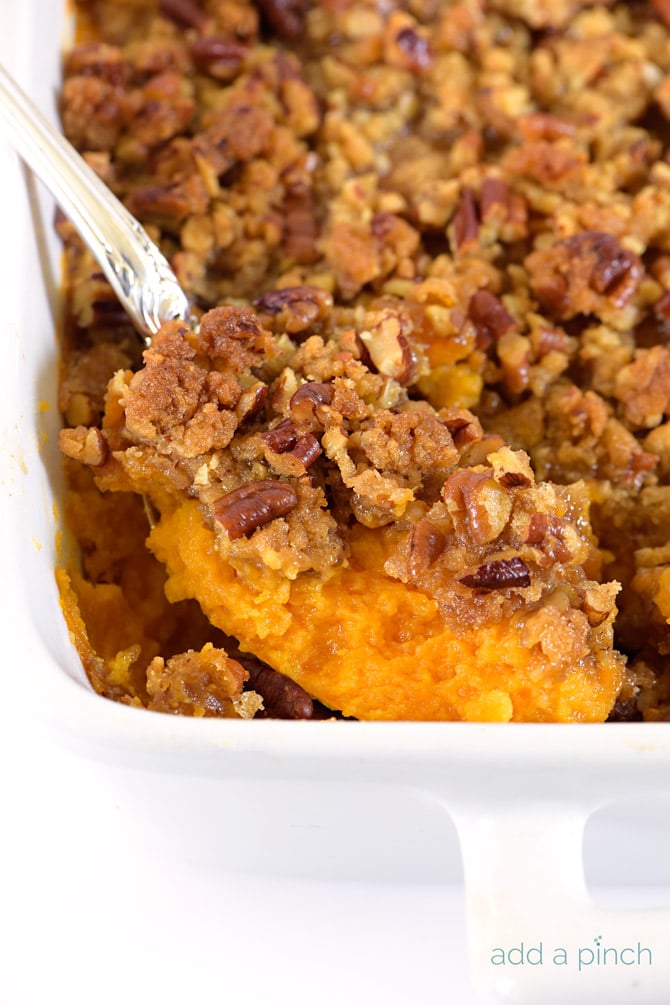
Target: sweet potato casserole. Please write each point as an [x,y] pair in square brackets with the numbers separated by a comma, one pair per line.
[413,459]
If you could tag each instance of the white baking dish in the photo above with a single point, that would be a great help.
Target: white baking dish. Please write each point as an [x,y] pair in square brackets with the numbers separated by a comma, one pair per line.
[519,795]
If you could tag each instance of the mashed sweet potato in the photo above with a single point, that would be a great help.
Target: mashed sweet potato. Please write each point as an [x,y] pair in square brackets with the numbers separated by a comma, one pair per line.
[376,649]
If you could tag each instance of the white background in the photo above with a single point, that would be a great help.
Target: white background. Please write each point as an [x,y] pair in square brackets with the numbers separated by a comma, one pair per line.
[98,903]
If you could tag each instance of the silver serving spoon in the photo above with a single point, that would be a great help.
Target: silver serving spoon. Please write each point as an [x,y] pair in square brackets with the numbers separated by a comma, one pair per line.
[136,270]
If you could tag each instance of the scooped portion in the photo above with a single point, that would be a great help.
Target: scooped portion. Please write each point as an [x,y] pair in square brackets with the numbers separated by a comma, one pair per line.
[386,555]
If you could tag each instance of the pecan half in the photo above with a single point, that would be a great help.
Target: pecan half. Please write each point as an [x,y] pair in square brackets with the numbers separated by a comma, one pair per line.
[253,505]
[282,697]
[498,575]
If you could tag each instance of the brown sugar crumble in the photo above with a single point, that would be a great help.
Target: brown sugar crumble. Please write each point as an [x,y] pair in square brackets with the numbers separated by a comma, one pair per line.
[413,461]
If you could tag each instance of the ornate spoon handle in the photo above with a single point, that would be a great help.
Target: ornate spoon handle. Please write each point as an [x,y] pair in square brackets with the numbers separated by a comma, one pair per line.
[137,271]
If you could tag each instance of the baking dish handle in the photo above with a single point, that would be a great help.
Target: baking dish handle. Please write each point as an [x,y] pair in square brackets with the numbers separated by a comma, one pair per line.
[534,934]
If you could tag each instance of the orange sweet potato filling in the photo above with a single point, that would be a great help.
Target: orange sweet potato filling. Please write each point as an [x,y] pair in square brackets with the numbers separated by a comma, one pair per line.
[392,658]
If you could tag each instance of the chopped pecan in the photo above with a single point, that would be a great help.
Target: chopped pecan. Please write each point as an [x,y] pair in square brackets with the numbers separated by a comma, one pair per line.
[511,468]
[485,505]
[184,12]
[612,262]
[405,43]
[253,505]
[93,112]
[251,401]
[416,48]
[558,540]
[626,710]
[301,228]
[493,192]
[498,575]
[169,205]
[639,464]
[108,313]
[96,59]
[599,603]
[285,17]
[381,224]
[643,387]
[543,126]
[218,57]
[88,446]
[489,317]
[464,223]
[662,305]
[503,211]
[233,334]
[239,132]
[388,348]
[282,697]
[662,8]
[307,398]
[195,683]
[574,275]
[427,543]
[548,531]
[462,424]
[544,161]
[295,307]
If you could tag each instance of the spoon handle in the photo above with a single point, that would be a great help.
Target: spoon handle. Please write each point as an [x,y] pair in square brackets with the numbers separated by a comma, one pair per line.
[137,271]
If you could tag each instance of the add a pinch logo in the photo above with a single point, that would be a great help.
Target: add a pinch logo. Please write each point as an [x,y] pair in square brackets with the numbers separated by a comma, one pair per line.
[587,957]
